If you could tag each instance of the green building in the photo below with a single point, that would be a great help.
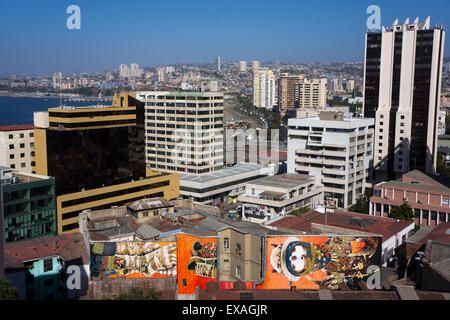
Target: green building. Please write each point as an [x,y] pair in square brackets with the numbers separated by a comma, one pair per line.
[29,209]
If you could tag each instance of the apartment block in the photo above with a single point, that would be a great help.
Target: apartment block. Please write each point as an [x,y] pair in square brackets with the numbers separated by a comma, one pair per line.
[28,205]
[427,196]
[312,93]
[288,91]
[402,85]
[274,197]
[184,131]
[263,88]
[16,144]
[97,156]
[336,149]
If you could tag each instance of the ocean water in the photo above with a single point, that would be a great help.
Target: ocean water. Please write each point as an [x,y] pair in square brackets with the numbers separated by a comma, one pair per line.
[20,110]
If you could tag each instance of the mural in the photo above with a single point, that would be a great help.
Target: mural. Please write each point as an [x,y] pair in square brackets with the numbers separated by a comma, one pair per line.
[319,262]
[133,259]
[197,262]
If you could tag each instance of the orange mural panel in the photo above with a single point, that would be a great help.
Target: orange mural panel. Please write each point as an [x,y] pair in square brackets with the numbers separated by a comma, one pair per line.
[319,262]
[197,262]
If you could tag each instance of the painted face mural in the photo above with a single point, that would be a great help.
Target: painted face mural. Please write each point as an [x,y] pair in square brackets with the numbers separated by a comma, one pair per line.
[315,262]
[133,259]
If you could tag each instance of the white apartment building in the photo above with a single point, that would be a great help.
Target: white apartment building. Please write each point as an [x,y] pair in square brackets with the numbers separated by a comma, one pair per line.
[242,66]
[16,146]
[255,65]
[184,131]
[312,93]
[441,125]
[273,197]
[263,88]
[402,85]
[334,148]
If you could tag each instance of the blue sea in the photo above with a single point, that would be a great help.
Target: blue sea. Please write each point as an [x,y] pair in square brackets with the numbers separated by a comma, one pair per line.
[20,110]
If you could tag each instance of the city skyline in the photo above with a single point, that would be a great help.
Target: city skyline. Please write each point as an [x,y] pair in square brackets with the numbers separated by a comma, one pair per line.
[293,32]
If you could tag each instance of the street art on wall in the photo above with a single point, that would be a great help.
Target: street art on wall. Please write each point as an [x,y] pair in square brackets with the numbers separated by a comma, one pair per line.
[319,262]
[133,259]
[197,262]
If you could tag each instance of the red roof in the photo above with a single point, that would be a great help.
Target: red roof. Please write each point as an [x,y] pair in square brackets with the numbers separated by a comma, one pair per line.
[386,227]
[17,127]
[70,246]
[438,234]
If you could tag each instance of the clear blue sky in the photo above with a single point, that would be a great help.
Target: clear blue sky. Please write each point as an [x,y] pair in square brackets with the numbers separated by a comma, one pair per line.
[34,37]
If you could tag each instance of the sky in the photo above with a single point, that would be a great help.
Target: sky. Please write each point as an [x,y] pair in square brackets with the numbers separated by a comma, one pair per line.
[34,37]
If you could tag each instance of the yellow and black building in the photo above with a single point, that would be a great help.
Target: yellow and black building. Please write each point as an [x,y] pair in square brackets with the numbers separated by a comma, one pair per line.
[97,156]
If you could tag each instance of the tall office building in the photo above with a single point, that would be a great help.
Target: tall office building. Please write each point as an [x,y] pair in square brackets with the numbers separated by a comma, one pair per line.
[16,144]
[97,156]
[403,70]
[2,241]
[136,72]
[184,131]
[242,66]
[255,65]
[336,149]
[218,64]
[263,88]
[312,93]
[288,90]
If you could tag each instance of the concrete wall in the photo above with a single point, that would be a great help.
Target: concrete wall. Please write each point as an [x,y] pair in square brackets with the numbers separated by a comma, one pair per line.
[109,287]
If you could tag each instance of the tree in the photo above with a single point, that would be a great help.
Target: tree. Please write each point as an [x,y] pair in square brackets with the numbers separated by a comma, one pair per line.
[299,211]
[403,212]
[139,294]
[362,202]
[7,292]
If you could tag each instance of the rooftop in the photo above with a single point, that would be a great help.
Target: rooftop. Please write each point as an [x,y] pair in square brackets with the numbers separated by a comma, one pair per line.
[386,227]
[69,247]
[152,203]
[439,233]
[17,127]
[418,180]
[286,181]
[239,168]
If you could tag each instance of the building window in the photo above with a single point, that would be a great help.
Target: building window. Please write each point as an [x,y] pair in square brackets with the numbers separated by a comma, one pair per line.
[238,249]
[10,136]
[226,264]
[238,272]
[22,165]
[226,244]
[11,156]
[13,166]
[11,147]
[48,265]
[22,145]
[31,134]
[22,155]
[184,282]
[21,135]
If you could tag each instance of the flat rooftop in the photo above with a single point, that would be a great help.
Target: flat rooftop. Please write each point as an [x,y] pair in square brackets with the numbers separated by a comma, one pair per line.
[286,181]
[240,168]
[17,127]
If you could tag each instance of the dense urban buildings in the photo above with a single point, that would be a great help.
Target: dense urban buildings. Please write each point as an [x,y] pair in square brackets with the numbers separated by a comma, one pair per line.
[16,145]
[97,156]
[29,205]
[428,198]
[336,149]
[263,88]
[403,72]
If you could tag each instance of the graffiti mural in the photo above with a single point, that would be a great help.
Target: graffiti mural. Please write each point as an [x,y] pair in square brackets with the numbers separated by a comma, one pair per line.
[319,262]
[133,259]
[197,262]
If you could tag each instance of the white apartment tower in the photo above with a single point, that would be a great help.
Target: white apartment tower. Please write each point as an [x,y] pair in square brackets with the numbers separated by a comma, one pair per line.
[184,131]
[263,88]
[242,66]
[16,146]
[218,64]
[402,85]
[336,149]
